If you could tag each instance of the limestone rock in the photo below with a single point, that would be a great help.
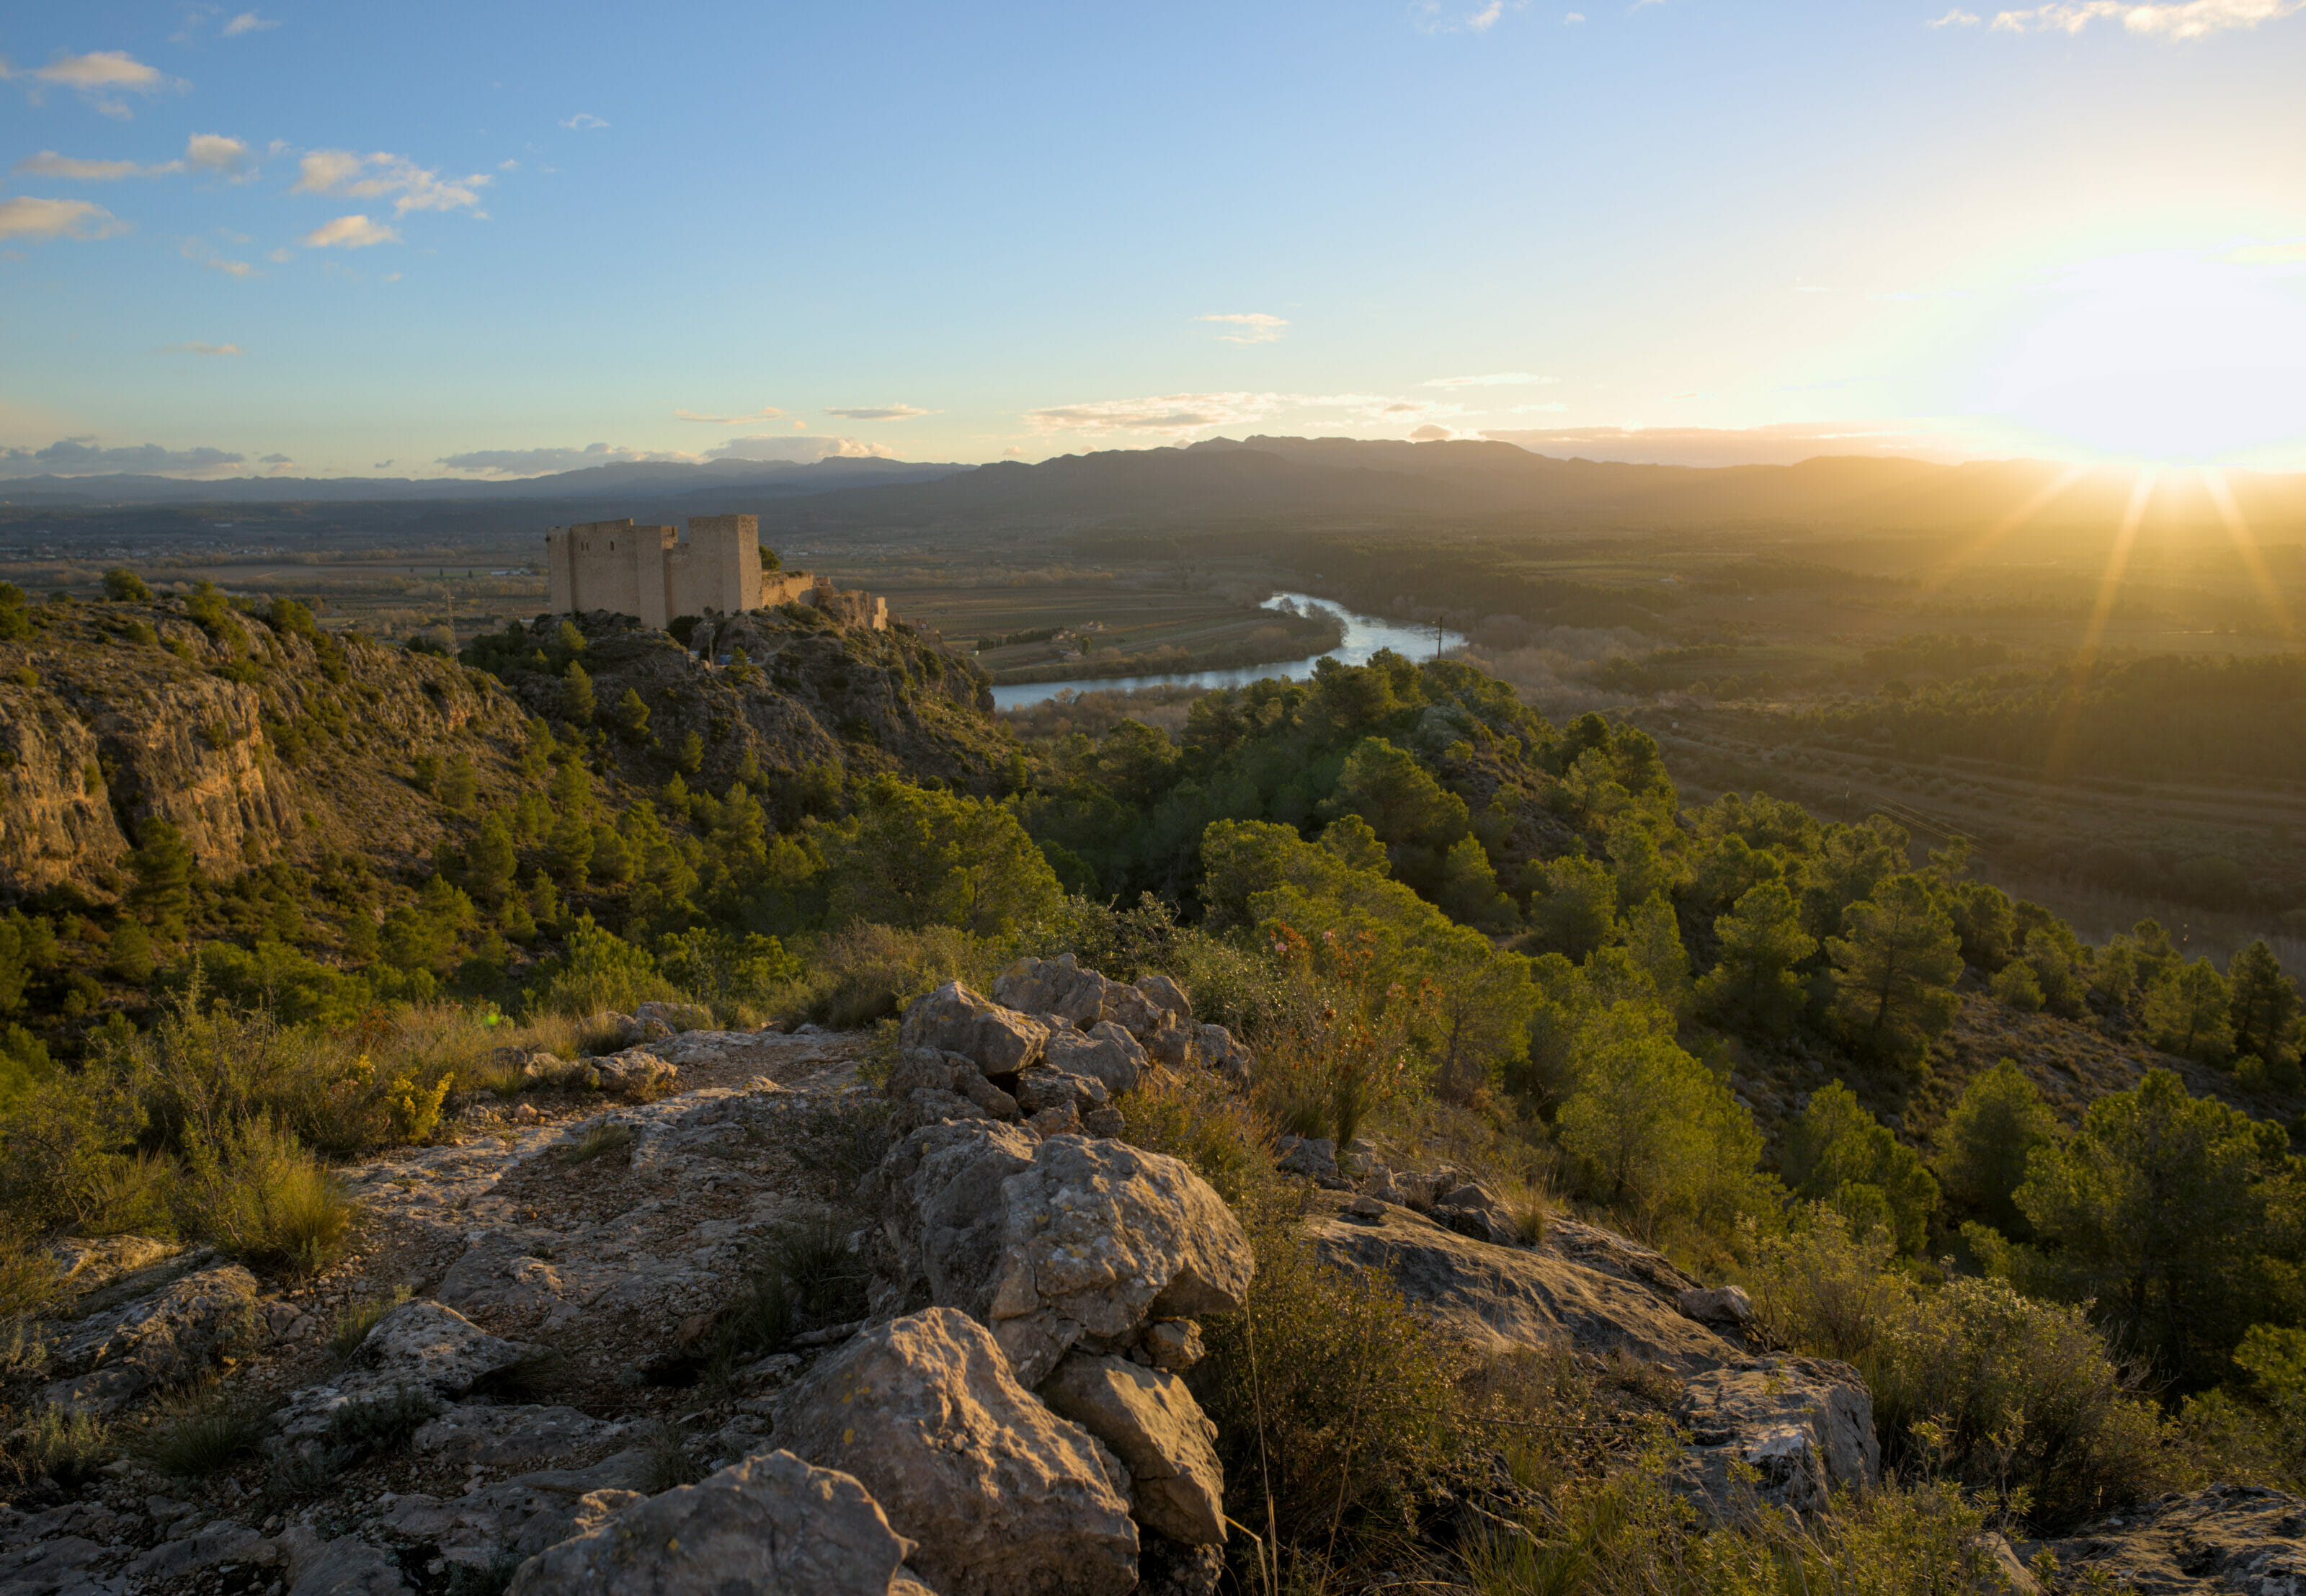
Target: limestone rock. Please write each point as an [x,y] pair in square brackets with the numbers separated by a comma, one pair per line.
[2223,1537]
[1154,1425]
[1805,1425]
[420,1345]
[1174,1344]
[770,1525]
[1315,1156]
[1170,1043]
[955,1019]
[552,1070]
[1106,1052]
[635,1072]
[1082,997]
[1225,1054]
[1004,1498]
[946,1216]
[676,1018]
[1717,1305]
[1166,996]
[518,1436]
[1099,1236]
[167,1336]
[1505,1297]
[344,1566]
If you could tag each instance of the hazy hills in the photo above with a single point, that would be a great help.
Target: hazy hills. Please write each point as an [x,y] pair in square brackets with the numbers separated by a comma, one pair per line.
[1263,476]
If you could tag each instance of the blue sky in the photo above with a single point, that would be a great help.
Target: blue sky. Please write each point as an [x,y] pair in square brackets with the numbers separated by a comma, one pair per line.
[509,238]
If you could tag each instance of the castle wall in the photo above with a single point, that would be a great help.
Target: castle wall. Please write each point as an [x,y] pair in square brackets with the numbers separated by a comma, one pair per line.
[611,564]
[649,573]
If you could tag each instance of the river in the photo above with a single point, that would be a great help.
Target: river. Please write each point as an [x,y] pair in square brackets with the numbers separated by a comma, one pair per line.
[1364,636]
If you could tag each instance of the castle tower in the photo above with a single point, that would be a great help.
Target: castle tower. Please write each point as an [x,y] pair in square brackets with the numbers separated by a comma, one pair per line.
[611,564]
[723,568]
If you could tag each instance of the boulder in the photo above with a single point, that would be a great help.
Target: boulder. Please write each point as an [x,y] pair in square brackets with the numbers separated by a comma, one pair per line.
[346,1566]
[1153,1424]
[1804,1425]
[1083,997]
[1106,1052]
[167,1336]
[1004,1497]
[1174,1344]
[1170,1043]
[2223,1537]
[955,1019]
[1717,1304]
[945,1214]
[1097,1237]
[1500,1298]
[1313,1157]
[419,1346]
[635,1073]
[1228,1056]
[770,1525]
[676,1018]
[550,1069]
[1166,996]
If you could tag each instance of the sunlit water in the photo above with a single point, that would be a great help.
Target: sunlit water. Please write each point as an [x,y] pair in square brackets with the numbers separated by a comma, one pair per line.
[1364,636]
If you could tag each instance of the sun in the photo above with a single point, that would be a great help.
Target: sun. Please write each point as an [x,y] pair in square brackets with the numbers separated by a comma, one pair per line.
[2164,358]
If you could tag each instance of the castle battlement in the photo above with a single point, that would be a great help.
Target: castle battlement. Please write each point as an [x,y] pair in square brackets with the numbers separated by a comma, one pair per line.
[647,571]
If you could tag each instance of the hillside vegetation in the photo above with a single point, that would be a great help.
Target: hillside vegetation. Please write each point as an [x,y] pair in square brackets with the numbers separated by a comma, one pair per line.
[1448,929]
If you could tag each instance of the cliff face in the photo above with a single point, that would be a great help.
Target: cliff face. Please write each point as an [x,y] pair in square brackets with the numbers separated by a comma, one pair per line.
[254,743]
[782,692]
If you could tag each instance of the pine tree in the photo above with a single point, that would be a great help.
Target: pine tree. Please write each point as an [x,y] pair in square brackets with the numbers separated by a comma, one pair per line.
[1894,970]
[165,869]
[2262,1004]
[576,703]
[2188,1011]
[1983,1145]
[1761,940]
[633,713]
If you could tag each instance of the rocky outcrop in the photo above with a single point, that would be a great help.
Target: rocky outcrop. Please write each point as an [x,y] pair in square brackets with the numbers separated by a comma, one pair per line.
[1004,1498]
[1152,1424]
[2235,1539]
[174,1334]
[1500,1298]
[955,1019]
[418,1346]
[1803,1426]
[770,1525]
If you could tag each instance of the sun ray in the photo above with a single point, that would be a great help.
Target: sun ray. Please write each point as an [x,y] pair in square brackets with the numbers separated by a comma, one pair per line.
[2246,545]
[2041,499]
[2109,589]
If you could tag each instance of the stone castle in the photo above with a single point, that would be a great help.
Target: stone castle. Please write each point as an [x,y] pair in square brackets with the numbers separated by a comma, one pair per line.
[647,571]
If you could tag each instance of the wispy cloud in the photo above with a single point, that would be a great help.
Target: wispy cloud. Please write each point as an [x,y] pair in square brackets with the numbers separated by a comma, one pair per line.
[86,456]
[1491,380]
[2189,18]
[880,413]
[1432,16]
[1956,18]
[24,217]
[1175,415]
[196,347]
[410,187]
[248,21]
[766,412]
[203,153]
[100,77]
[583,120]
[765,447]
[1253,327]
[349,233]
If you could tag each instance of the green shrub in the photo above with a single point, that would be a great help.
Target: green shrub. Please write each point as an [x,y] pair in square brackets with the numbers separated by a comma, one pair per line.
[598,970]
[66,1446]
[1332,1398]
[355,1320]
[202,1432]
[27,1269]
[1193,1116]
[380,1423]
[866,972]
[257,1194]
[668,1463]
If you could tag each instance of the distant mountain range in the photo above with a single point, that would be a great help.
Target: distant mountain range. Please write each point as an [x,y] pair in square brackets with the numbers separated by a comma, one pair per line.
[1260,476]
[632,480]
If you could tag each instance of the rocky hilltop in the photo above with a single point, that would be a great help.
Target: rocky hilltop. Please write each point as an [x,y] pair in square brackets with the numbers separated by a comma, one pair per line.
[262,736]
[557,1362]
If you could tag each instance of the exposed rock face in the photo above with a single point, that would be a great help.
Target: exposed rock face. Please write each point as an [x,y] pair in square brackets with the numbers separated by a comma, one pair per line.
[1099,1237]
[2227,1538]
[420,1346]
[173,1335]
[1004,1498]
[1082,997]
[635,1072]
[767,1526]
[1805,1425]
[516,1438]
[1153,1424]
[1106,1053]
[1505,1297]
[955,1019]
[1717,1305]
